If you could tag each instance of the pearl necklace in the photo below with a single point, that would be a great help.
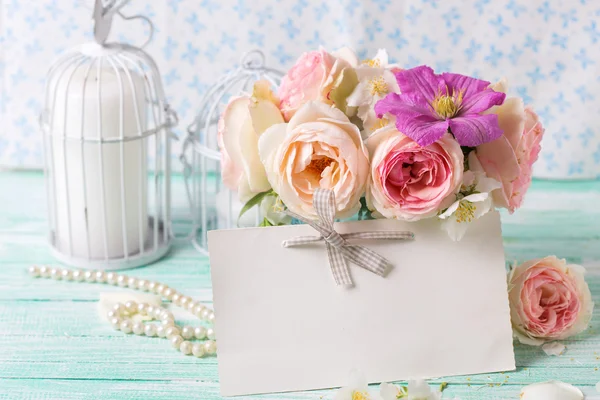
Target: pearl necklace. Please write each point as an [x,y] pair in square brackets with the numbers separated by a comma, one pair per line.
[121,315]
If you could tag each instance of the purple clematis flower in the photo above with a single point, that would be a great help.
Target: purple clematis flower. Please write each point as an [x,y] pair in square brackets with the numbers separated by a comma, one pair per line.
[430,104]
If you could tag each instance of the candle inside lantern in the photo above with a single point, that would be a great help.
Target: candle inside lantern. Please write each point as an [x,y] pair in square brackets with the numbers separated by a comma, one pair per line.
[99,161]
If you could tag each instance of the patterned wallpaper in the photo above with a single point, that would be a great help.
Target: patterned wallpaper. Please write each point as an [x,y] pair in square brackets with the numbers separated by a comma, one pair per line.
[548,50]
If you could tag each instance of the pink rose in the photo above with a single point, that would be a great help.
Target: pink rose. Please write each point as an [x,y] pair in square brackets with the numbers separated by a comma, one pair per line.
[311,79]
[549,300]
[510,158]
[411,182]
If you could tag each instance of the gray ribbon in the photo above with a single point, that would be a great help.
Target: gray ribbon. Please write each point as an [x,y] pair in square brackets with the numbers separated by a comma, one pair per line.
[338,249]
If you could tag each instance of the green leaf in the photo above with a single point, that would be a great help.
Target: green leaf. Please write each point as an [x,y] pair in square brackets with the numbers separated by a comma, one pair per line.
[256,200]
[343,87]
[443,386]
[266,222]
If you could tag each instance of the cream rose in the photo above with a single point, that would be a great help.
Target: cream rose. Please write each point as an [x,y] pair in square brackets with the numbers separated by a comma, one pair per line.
[318,148]
[243,121]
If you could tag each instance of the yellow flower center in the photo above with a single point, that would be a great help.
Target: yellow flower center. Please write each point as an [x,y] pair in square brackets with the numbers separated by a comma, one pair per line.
[318,165]
[372,63]
[383,122]
[378,86]
[356,395]
[447,106]
[465,211]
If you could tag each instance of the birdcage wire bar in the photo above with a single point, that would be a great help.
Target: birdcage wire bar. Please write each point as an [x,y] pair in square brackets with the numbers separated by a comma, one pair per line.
[137,80]
[201,156]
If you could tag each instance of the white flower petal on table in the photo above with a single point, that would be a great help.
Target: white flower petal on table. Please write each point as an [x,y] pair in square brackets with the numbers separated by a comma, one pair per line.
[109,299]
[554,348]
[551,390]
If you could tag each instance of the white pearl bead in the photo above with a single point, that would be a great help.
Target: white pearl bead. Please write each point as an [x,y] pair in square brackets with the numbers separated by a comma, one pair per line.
[89,276]
[205,314]
[66,274]
[185,348]
[138,328]
[115,322]
[159,288]
[126,326]
[176,298]
[112,314]
[168,293]
[142,285]
[44,271]
[167,322]
[211,318]
[141,308]
[210,347]
[131,306]
[171,331]
[150,330]
[161,331]
[34,271]
[152,286]
[187,332]
[198,350]
[176,341]
[164,314]
[150,310]
[100,276]
[210,333]
[158,312]
[111,278]
[184,301]
[191,305]
[200,332]
[55,274]
[198,310]
[119,308]
[132,282]
[78,275]
[122,280]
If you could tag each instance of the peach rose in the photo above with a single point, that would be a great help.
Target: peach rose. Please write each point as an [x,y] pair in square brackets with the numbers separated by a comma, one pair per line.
[311,79]
[411,182]
[318,148]
[245,118]
[510,158]
[549,300]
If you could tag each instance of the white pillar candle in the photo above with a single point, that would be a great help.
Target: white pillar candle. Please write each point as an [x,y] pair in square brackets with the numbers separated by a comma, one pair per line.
[100,190]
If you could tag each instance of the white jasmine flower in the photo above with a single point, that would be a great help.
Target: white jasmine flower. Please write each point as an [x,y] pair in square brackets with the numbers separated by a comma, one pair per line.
[357,389]
[473,201]
[417,390]
[375,81]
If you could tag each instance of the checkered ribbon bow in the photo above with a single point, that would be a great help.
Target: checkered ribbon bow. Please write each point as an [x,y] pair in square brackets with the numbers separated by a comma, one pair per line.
[338,249]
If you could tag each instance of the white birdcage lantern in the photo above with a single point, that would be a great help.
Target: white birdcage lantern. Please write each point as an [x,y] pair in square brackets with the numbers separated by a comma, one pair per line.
[214,206]
[106,126]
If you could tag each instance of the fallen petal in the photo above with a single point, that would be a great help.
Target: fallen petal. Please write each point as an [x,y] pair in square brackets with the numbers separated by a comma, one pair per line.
[551,390]
[554,348]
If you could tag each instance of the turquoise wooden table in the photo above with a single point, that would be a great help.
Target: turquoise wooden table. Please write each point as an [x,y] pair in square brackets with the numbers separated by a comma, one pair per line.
[53,344]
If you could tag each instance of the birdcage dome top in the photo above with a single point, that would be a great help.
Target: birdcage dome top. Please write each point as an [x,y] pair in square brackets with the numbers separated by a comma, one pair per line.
[203,132]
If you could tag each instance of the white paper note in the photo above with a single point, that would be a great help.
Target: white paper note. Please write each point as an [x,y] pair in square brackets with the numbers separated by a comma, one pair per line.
[283,324]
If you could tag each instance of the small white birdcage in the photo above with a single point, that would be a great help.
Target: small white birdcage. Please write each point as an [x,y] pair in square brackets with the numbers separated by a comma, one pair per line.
[106,127]
[212,205]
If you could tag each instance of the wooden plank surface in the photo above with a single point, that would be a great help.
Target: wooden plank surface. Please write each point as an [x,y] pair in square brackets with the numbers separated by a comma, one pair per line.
[53,344]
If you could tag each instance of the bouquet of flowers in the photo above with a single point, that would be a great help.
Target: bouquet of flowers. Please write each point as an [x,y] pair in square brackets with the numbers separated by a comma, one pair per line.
[390,142]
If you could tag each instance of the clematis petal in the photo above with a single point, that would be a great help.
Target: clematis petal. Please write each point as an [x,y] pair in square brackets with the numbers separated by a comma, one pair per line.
[402,106]
[475,129]
[481,101]
[468,85]
[420,82]
[423,129]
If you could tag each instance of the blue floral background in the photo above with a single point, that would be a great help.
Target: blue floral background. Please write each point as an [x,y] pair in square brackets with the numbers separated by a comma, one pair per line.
[548,50]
